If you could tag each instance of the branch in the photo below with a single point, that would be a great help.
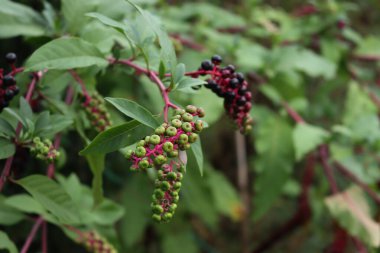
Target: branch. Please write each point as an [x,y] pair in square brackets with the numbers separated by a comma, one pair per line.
[347,173]
[324,156]
[32,234]
[293,114]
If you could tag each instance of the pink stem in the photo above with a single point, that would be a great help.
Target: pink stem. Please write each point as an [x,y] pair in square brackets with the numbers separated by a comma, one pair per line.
[80,81]
[323,152]
[32,234]
[44,238]
[8,164]
[295,116]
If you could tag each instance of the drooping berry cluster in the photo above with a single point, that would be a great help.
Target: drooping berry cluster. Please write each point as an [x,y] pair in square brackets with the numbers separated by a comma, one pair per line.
[96,111]
[44,150]
[168,139]
[8,87]
[166,194]
[233,87]
[96,243]
[161,151]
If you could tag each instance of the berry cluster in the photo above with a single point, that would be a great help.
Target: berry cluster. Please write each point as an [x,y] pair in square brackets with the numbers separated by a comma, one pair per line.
[44,150]
[166,194]
[97,244]
[8,87]
[96,111]
[232,86]
[157,149]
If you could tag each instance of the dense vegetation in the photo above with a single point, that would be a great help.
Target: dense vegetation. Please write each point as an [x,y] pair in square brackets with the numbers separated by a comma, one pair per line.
[189,126]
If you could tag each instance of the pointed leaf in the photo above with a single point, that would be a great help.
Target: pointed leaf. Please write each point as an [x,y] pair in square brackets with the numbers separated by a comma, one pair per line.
[196,154]
[7,244]
[96,162]
[7,149]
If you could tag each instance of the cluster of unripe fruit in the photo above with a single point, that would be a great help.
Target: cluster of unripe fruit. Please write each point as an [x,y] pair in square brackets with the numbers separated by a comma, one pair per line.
[8,87]
[232,86]
[96,111]
[97,244]
[161,151]
[166,195]
[44,150]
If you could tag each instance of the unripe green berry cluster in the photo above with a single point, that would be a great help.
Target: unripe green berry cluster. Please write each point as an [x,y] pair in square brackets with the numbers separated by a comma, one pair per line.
[166,194]
[96,111]
[96,243]
[44,150]
[168,139]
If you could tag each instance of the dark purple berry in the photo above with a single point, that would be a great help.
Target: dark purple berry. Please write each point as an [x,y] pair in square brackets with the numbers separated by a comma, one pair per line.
[229,96]
[234,82]
[216,59]
[210,84]
[11,58]
[207,65]
[16,90]
[240,77]
[8,81]
[241,101]
[9,94]
[231,68]
[242,91]
[4,103]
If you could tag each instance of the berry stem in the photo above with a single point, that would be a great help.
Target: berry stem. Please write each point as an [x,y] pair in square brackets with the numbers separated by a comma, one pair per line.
[77,78]
[32,234]
[8,164]
[44,239]
[292,113]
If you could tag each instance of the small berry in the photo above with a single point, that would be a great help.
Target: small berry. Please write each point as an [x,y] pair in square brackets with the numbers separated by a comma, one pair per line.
[187,127]
[165,185]
[140,151]
[171,131]
[231,68]
[176,123]
[201,112]
[157,209]
[179,111]
[211,84]
[183,139]
[159,194]
[8,81]
[173,153]
[173,207]
[167,216]
[199,125]
[168,147]
[177,185]
[172,176]
[241,101]
[207,65]
[191,109]
[11,58]
[155,139]
[193,137]
[234,82]
[156,217]
[240,77]
[140,143]
[216,59]
[188,117]
[160,159]
[144,164]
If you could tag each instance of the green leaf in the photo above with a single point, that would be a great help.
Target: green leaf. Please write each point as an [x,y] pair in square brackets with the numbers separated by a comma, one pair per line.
[96,162]
[6,128]
[369,47]
[307,138]
[196,154]
[352,212]
[25,203]
[8,148]
[188,82]
[9,215]
[65,53]
[74,13]
[25,109]
[175,242]
[273,163]
[7,244]
[108,21]
[179,73]
[114,138]
[17,19]
[134,111]
[52,197]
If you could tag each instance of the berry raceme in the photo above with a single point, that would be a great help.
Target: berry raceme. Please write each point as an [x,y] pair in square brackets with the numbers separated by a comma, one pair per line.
[8,87]
[96,111]
[161,151]
[44,150]
[232,86]
[96,243]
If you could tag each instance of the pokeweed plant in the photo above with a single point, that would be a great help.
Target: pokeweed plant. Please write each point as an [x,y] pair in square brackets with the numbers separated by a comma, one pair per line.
[105,78]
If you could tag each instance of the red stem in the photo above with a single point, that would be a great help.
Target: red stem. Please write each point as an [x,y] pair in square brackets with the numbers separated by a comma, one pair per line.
[295,116]
[347,173]
[324,156]
[80,81]
[32,234]
[44,238]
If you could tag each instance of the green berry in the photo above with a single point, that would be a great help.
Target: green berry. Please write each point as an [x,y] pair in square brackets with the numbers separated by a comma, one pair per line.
[155,139]
[199,125]
[160,175]
[147,139]
[175,117]
[201,112]
[175,199]
[160,159]
[36,140]
[187,127]
[156,217]
[128,154]
[179,176]
[191,109]
[179,111]
[187,117]
[144,164]
[193,137]
[174,194]
[172,176]
[183,139]
[182,168]
[177,185]
[171,131]
[159,130]
[140,143]
[176,123]
[173,153]
[157,209]
[184,146]
[48,142]
[140,152]
[168,147]
[45,150]
[173,207]
[167,216]
[165,185]
[159,194]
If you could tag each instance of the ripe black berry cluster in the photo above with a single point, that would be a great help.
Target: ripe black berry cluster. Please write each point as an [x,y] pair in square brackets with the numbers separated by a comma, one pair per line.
[8,87]
[233,87]
[44,150]
[97,244]
[166,194]
[161,151]
[96,111]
